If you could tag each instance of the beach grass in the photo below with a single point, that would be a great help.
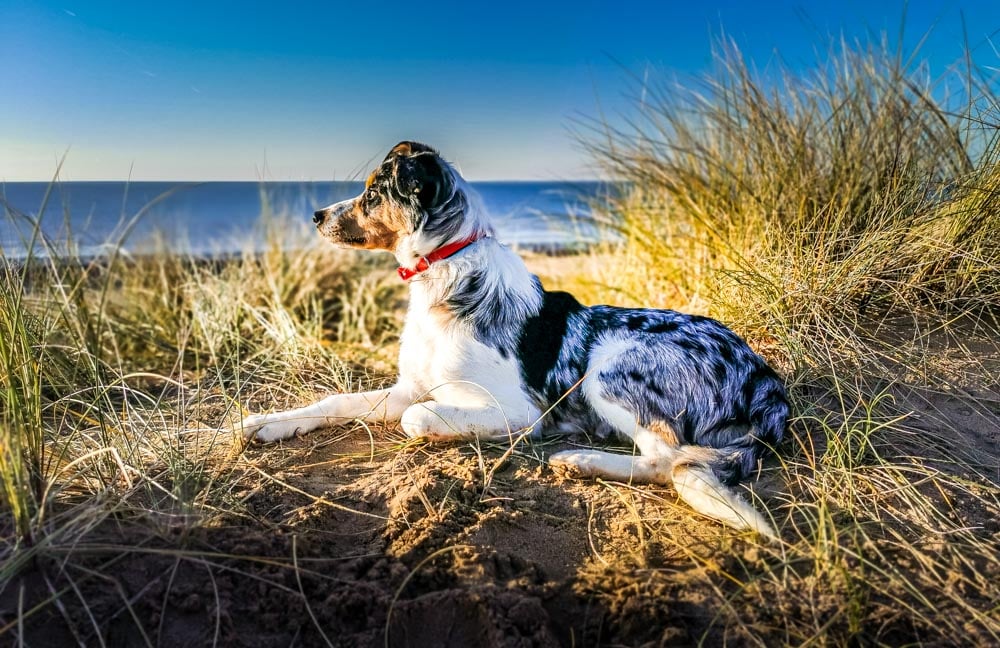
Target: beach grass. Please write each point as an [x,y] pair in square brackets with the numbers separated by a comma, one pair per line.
[843,220]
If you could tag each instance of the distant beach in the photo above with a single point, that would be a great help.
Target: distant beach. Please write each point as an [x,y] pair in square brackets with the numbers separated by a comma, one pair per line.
[213,218]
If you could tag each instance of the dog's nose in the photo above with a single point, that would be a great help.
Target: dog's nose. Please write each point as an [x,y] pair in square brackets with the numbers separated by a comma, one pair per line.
[319,217]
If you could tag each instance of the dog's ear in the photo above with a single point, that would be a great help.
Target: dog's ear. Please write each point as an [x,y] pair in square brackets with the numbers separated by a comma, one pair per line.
[409,148]
[421,176]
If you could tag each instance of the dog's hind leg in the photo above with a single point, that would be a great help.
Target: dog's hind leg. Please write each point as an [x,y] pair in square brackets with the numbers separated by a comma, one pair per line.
[378,405]
[694,482]
[609,465]
[656,456]
[657,449]
[662,461]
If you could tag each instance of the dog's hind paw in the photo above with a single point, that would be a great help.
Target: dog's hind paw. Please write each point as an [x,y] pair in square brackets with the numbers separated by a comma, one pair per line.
[570,464]
[264,427]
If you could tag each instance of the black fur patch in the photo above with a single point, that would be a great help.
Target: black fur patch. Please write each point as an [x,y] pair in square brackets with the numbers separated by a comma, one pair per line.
[662,327]
[465,298]
[486,312]
[421,178]
[690,344]
[542,337]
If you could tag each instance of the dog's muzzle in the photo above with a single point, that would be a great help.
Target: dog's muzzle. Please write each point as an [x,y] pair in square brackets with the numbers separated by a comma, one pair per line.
[320,216]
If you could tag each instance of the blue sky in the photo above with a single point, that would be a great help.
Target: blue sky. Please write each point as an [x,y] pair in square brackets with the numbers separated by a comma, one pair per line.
[202,91]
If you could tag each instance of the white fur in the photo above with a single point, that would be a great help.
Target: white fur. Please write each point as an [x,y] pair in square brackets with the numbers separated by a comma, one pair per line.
[703,492]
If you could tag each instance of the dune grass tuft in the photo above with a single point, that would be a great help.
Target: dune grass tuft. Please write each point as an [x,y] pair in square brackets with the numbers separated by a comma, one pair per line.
[811,207]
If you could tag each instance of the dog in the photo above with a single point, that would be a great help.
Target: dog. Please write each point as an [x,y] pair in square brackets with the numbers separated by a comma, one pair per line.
[485,351]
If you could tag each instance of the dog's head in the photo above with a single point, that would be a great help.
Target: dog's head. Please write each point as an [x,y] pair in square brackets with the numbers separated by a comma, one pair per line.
[412,204]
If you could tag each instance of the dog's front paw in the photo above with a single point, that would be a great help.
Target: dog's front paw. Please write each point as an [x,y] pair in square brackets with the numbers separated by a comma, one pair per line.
[267,428]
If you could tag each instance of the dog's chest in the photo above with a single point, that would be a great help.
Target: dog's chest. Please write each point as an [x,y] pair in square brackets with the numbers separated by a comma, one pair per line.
[436,350]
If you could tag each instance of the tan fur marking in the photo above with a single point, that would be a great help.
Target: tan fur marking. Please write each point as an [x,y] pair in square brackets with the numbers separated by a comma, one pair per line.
[665,432]
[403,148]
[442,315]
[380,228]
[372,228]
[697,455]
[383,227]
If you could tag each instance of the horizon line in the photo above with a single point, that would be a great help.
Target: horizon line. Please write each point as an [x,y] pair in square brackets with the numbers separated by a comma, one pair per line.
[259,181]
[57,181]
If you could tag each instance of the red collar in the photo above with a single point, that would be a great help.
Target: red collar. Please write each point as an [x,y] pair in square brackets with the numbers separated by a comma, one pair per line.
[441,253]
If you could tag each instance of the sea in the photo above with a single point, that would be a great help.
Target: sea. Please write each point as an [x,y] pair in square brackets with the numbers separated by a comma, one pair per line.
[217,219]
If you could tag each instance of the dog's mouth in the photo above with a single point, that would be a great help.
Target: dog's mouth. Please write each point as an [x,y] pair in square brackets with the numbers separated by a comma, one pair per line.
[343,236]
[339,238]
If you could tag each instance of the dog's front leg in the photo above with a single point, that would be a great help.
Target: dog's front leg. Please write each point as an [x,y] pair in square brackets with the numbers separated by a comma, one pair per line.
[378,405]
[443,422]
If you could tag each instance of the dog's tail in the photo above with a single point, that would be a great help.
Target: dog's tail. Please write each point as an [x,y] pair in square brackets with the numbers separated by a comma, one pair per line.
[704,476]
[697,484]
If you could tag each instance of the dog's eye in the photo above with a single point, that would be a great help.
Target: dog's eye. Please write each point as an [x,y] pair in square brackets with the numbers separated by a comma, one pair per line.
[371,194]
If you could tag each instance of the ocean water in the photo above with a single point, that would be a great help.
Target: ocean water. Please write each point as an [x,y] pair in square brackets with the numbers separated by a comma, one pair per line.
[217,218]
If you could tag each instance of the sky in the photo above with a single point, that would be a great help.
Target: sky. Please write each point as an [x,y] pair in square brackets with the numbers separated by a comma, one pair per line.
[298,91]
